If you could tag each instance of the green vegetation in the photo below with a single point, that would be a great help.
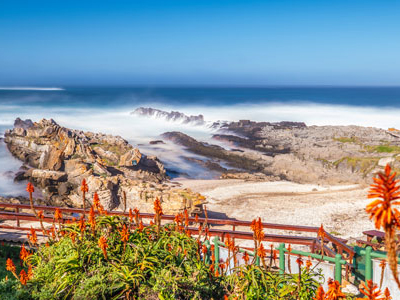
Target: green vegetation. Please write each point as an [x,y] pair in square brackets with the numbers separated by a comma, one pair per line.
[364,164]
[105,259]
[386,148]
[346,139]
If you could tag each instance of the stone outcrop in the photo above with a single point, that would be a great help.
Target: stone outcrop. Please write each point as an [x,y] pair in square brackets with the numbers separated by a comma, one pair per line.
[58,159]
[296,152]
[173,116]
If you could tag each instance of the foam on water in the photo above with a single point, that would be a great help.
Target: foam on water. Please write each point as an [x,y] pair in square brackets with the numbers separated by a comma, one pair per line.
[117,120]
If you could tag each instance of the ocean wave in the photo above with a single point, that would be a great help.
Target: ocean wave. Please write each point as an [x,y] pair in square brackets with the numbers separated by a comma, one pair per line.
[28,88]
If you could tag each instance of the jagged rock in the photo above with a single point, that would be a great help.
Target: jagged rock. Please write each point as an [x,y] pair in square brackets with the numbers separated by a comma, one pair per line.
[173,116]
[130,158]
[18,123]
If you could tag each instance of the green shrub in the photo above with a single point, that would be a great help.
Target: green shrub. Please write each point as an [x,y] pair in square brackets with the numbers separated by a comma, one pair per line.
[155,262]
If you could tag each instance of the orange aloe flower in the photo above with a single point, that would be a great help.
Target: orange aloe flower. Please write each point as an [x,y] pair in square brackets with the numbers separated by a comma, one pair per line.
[40,214]
[24,254]
[382,210]
[204,250]
[320,294]
[136,211]
[196,218]
[23,277]
[334,292]
[321,232]
[84,189]
[124,234]
[57,214]
[308,264]
[30,272]
[299,261]
[257,228]
[216,273]
[246,257]
[10,265]
[72,236]
[207,232]
[103,245]
[157,207]
[130,215]
[371,291]
[186,218]
[32,237]
[82,225]
[387,191]
[261,252]
[178,219]
[387,295]
[96,201]
[30,188]
[141,226]
[84,186]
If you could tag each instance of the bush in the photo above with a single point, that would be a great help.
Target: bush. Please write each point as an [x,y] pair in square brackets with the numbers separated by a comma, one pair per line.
[107,259]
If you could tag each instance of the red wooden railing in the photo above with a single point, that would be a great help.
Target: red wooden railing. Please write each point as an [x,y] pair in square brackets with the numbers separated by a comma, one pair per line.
[313,242]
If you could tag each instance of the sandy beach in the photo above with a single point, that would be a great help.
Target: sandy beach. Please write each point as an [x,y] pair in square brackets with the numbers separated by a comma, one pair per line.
[341,209]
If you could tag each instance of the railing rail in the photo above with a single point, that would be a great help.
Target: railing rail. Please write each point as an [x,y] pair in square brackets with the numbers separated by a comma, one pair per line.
[222,233]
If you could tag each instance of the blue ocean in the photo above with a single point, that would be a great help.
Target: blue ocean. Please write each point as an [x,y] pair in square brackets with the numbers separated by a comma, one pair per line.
[108,110]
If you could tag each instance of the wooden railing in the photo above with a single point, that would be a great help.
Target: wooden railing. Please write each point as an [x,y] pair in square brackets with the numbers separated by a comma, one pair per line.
[338,247]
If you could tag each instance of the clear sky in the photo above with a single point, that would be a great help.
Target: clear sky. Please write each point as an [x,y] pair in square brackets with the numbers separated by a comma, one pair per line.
[282,42]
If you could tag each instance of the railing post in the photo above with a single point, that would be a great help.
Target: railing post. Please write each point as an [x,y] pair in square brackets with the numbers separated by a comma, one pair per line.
[368,263]
[257,258]
[207,256]
[216,252]
[338,268]
[281,258]
[17,211]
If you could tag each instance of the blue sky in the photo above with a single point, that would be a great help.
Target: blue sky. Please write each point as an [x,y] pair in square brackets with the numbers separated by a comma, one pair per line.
[169,42]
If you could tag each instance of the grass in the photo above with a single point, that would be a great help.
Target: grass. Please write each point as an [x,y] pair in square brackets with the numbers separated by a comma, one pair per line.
[346,139]
[387,148]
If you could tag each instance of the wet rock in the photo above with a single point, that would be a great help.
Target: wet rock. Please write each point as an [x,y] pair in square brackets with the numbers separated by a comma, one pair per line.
[156,142]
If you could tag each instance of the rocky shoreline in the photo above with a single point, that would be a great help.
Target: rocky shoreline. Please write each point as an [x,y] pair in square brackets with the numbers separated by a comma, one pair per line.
[296,152]
[57,159]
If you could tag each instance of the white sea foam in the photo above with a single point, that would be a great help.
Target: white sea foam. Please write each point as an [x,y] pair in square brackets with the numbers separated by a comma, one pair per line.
[29,88]
[141,130]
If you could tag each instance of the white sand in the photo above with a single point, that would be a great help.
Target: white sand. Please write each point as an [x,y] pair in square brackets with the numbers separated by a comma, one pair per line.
[341,209]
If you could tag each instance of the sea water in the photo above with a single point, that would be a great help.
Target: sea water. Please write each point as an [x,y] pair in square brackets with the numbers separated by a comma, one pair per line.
[108,110]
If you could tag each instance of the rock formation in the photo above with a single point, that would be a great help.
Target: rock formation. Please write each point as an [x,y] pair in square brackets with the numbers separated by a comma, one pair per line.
[296,152]
[59,159]
[173,116]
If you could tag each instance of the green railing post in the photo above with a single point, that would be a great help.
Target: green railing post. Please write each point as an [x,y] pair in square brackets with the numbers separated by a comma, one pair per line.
[338,268]
[257,260]
[368,263]
[207,256]
[216,253]
[282,258]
